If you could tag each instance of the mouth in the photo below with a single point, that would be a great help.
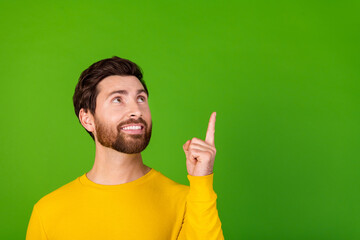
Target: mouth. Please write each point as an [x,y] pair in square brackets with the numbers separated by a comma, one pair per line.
[133,128]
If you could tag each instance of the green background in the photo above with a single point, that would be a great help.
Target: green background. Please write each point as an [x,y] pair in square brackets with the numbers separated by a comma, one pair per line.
[283,77]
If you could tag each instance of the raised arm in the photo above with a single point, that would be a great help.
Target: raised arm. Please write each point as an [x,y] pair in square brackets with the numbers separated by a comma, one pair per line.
[201,220]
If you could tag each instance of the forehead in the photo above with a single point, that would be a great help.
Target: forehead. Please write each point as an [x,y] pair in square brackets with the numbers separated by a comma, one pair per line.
[115,82]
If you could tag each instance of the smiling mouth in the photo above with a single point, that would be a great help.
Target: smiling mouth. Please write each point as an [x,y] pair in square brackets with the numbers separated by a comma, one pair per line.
[133,129]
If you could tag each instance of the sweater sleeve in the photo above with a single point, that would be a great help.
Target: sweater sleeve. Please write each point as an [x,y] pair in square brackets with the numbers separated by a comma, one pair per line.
[35,230]
[201,219]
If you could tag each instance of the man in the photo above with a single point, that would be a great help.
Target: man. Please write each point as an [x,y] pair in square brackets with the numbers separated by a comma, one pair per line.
[120,197]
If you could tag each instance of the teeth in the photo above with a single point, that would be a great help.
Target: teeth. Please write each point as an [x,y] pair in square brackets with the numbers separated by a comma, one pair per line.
[132,128]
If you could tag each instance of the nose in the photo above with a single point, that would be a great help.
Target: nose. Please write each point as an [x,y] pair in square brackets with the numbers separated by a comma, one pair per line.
[134,110]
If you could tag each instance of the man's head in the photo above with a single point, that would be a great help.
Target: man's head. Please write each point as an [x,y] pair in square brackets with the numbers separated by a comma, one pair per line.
[110,95]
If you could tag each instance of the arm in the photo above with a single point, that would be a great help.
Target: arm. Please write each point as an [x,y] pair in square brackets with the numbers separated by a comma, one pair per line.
[35,230]
[201,220]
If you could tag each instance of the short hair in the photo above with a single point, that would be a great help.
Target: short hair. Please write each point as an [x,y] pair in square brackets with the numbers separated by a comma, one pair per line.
[86,89]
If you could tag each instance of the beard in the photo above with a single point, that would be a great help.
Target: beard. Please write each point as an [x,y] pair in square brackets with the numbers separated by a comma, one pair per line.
[121,141]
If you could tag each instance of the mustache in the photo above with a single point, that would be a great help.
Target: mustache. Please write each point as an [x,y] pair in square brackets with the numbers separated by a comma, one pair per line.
[139,120]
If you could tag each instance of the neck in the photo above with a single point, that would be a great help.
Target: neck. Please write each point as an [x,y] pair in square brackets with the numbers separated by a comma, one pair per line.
[112,167]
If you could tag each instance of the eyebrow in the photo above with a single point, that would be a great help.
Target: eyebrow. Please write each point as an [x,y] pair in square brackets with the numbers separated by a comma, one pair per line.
[124,92]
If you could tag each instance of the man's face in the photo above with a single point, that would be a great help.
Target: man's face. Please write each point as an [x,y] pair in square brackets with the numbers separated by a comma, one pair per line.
[122,115]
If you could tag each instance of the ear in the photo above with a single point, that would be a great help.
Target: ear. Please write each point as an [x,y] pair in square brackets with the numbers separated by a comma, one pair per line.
[87,120]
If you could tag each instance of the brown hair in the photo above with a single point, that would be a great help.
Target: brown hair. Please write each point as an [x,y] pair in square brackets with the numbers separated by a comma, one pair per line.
[86,89]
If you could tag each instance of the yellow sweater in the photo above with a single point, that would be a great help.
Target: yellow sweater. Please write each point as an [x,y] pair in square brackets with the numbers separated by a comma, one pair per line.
[151,207]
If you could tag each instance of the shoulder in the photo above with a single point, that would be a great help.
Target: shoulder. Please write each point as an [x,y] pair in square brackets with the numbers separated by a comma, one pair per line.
[169,185]
[59,195]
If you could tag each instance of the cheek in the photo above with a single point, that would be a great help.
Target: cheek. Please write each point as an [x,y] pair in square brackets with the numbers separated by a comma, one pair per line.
[147,115]
[145,110]
[109,121]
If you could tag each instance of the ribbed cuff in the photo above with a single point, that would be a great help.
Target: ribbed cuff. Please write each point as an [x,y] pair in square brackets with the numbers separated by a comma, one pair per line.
[201,188]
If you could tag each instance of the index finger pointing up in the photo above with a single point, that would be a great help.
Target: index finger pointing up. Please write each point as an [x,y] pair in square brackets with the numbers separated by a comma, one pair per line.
[210,138]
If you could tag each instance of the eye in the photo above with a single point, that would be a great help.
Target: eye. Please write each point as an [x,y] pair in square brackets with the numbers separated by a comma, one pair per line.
[117,98]
[142,98]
